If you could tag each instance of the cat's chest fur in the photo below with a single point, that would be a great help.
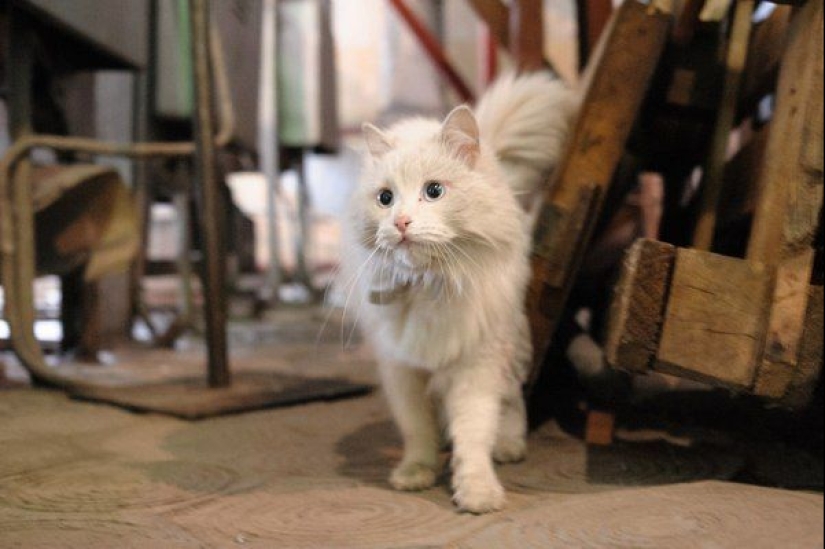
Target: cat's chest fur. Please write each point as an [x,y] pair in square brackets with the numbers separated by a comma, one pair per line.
[432,326]
[426,330]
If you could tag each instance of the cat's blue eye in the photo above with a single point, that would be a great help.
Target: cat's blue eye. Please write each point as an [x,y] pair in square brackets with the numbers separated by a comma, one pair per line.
[433,190]
[384,198]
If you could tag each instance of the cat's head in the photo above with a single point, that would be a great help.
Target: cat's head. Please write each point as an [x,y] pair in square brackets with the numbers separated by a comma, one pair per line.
[430,188]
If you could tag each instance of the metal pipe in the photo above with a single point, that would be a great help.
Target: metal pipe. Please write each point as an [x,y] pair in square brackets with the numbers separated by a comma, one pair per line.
[434,50]
[268,144]
[208,192]
[17,271]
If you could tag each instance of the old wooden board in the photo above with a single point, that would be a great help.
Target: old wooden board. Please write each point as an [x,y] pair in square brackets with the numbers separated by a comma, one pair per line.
[527,34]
[809,359]
[616,88]
[764,56]
[714,169]
[496,15]
[715,319]
[788,212]
[637,312]
[783,334]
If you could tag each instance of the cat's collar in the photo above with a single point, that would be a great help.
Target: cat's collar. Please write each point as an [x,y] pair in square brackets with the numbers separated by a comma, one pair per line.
[388,295]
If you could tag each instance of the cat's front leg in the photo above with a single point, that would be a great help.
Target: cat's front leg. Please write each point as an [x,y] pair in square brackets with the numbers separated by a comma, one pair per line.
[472,401]
[511,443]
[414,413]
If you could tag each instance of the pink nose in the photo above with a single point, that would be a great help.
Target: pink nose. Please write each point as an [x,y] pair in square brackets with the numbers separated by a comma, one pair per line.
[402,222]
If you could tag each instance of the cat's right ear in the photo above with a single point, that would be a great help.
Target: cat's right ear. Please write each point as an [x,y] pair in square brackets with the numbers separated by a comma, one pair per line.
[377,141]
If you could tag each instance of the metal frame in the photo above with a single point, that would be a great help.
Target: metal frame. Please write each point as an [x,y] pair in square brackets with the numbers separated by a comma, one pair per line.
[434,49]
[17,270]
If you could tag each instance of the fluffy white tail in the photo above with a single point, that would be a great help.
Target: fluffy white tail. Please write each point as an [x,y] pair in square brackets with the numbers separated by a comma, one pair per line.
[526,119]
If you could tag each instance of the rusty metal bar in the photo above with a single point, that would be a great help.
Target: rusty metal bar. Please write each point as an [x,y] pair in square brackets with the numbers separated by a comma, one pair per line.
[490,57]
[434,50]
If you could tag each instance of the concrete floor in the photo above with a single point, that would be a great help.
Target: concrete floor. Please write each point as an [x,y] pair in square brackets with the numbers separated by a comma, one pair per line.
[76,474]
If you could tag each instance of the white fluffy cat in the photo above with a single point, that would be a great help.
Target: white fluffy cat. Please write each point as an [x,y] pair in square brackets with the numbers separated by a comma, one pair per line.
[436,254]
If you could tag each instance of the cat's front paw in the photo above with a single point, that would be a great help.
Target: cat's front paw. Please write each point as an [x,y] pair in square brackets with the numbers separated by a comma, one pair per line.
[412,477]
[510,450]
[478,494]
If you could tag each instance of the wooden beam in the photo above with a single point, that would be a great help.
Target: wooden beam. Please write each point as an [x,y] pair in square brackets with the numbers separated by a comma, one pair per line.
[687,21]
[715,166]
[497,17]
[527,34]
[795,122]
[809,360]
[614,94]
[767,45]
[789,208]
[714,319]
[637,312]
[593,16]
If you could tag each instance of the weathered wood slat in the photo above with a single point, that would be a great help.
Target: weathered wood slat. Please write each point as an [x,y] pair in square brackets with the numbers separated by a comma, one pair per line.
[767,45]
[785,324]
[788,211]
[752,325]
[715,319]
[638,308]
[615,91]
[725,116]
[776,224]
[497,17]
[809,360]
[527,34]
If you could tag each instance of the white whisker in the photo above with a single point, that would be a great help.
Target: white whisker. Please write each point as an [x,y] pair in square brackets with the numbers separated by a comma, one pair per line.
[354,282]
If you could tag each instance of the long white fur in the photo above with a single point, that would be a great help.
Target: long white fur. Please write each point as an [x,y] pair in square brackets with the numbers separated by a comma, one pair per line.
[456,341]
[526,121]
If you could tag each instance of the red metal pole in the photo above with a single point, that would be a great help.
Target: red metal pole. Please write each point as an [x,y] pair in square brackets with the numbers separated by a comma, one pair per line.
[434,50]
[491,56]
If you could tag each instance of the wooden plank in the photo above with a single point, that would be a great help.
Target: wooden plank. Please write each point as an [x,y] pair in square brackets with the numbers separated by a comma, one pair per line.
[715,165]
[638,308]
[812,154]
[715,319]
[786,322]
[809,360]
[742,178]
[616,88]
[764,56]
[777,222]
[687,21]
[593,16]
[527,34]
[789,208]
[599,428]
[497,17]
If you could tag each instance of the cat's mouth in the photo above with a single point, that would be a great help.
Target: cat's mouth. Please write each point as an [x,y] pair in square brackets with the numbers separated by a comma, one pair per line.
[411,252]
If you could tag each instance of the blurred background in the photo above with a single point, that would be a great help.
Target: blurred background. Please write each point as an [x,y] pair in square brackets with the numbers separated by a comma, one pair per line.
[123,73]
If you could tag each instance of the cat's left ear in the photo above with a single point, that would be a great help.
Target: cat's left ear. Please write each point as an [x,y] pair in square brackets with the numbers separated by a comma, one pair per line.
[377,141]
[459,133]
